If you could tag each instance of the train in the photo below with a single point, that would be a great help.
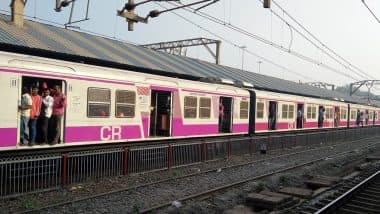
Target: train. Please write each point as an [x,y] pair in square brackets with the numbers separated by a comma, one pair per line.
[108,105]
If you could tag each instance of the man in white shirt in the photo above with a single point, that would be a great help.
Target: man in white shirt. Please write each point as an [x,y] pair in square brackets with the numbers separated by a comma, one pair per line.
[46,112]
[24,108]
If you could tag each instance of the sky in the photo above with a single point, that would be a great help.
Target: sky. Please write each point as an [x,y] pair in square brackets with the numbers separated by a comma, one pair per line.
[344,26]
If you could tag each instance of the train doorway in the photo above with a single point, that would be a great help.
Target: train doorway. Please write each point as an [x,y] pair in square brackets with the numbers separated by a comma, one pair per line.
[300,116]
[160,116]
[225,114]
[42,127]
[321,116]
[272,116]
[336,117]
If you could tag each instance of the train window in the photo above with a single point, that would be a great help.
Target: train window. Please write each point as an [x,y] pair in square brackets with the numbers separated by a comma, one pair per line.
[343,114]
[98,102]
[243,109]
[204,107]
[285,111]
[190,107]
[291,112]
[125,103]
[311,112]
[353,115]
[260,110]
[328,113]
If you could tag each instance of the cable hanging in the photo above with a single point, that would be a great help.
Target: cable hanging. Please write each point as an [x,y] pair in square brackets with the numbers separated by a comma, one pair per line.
[265,41]
[349,64]
[238,46]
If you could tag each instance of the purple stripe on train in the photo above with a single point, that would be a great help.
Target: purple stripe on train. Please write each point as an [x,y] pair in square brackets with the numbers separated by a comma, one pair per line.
[236,128]
[179,129]
[8,137]
[101,133]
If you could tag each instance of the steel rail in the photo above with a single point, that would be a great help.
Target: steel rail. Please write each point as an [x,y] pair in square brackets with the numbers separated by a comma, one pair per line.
[199,173]
[208,192]
[338,201]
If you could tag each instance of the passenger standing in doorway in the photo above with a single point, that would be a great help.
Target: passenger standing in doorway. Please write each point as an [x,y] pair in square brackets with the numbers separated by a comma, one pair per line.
[358,118]
[221,116]
[299,118]
[58,111]
[46,112]
[34,114]
[336,118]
[361,118]
[366,117]
[321,117]
[25,106]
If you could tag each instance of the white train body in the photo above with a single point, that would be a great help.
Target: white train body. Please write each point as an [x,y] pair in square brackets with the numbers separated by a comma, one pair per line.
[112,105]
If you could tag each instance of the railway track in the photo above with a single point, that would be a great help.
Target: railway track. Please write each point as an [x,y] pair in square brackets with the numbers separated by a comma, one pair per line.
[363,197]
[144,190]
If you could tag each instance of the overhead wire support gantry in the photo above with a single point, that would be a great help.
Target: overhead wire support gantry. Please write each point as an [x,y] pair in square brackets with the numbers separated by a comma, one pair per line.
[354,87]
[170,46]
[322,85]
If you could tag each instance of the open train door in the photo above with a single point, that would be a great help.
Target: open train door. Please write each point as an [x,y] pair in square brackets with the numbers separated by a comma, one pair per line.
[337,116]
[225,114]
[272,116]
[160,116]
[300,115]
[41,129]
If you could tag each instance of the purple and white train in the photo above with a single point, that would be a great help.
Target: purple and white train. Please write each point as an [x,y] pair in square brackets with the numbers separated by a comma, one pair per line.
[111,105]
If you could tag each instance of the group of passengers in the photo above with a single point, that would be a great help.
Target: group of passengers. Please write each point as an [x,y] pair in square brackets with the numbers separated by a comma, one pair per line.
[361,117]
[41,116]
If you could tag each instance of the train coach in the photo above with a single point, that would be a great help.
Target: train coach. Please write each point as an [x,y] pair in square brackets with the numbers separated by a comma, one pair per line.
[110,105]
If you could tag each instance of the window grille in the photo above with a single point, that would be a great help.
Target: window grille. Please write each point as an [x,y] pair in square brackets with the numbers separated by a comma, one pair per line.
[98,102]
[190,107]
[125,103]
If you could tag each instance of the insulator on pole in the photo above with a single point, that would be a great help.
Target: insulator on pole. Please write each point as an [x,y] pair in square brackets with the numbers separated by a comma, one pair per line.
[267,3]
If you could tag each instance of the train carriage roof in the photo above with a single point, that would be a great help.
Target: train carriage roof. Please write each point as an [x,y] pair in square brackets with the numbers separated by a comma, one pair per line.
[51,41]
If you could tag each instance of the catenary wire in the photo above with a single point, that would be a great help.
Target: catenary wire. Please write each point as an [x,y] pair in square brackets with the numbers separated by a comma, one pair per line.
[265,41]
[238,46]
[369,9]
[316,45]
[319,41]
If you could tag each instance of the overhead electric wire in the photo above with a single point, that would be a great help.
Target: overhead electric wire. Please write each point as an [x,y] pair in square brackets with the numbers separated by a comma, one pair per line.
[320,42]
[373,14]
[265,41]
[238,46]
[314,44]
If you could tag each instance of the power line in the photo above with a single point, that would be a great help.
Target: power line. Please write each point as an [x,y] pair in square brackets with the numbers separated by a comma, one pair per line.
[373,14]
[238,46]
[349,64]
[265,41]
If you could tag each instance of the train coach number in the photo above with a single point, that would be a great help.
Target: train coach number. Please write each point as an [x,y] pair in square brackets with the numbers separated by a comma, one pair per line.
[110,133]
